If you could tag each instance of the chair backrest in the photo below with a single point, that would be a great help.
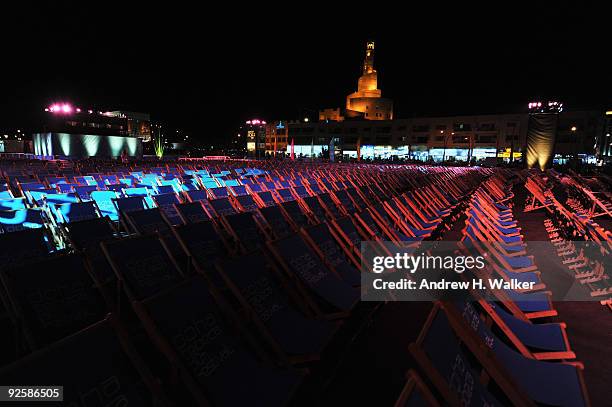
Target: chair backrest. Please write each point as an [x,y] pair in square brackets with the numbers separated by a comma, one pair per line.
[72,212]
[247,202]
[197,195]
[292,208]
[95,366]
[147,221]
[84,191]
[22,246]
[277,222]
[267,198]
[303,263]
[53,298]
[13,204]
[198,328]
[245,231]
[143,264]
[312,202]
[192,212]
[345,200]
[130,204]
[330,205]
[443,352]
[104,200]
[21,219]
[167,202]
[238,190]
[285,195]
[222,206]
[202,241]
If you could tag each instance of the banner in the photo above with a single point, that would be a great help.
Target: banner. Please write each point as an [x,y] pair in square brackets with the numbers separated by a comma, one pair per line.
[541,134]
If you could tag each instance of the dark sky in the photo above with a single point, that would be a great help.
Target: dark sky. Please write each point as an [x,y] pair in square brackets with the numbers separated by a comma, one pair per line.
[208,70]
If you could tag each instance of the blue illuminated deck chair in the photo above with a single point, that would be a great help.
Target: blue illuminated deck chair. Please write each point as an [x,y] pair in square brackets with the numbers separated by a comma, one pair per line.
[36,197]
[276,221]
[208,182]
[12,204]
[96,366]
[118,188]
[72,212]
[194,314]
[328,293]
[222,207]
[31,186]
[6,194]
[441,354]
[167,203]
[127,205]
[549,383]
[174,183]
[105,202]
[143,191]
[245,232]
[142,265]
[230,182]
[343,263]
[84,191]
[294,214]
[21,219]
[285,327]
[53,298]
[165,189]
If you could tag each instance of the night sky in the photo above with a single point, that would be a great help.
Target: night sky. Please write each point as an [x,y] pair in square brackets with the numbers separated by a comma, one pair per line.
[206,71]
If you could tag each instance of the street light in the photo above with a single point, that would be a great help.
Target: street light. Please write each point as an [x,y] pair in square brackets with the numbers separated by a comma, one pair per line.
[573,130]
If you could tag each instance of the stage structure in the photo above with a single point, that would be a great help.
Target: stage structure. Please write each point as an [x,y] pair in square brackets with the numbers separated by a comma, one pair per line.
[85,145]
[71,132]
[541,133]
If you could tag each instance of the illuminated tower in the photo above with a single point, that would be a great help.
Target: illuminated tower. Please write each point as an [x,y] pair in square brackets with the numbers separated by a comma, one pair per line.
[368,82]
[368,102]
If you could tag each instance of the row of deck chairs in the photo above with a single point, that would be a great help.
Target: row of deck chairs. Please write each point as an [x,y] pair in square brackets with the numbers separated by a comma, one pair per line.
[569,222]
[505,351]
[228,291]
